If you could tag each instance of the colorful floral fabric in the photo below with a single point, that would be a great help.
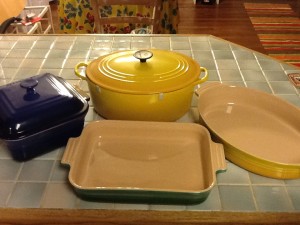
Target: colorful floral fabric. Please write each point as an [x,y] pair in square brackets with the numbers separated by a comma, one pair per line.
[76,16]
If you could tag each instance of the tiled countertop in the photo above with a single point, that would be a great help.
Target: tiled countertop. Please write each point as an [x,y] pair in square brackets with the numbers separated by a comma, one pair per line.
[43,182]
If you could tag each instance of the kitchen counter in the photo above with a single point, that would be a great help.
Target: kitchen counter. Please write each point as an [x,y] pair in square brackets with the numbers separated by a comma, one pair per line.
[38,191]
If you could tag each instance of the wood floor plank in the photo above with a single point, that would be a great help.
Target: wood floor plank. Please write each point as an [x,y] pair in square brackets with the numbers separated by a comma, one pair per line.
[227,20]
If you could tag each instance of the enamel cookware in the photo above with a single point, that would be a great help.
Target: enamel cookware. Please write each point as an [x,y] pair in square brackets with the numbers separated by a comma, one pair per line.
[38,114]
[154,85]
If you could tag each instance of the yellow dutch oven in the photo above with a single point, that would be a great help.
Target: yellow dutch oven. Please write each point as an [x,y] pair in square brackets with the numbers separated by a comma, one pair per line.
[154,85]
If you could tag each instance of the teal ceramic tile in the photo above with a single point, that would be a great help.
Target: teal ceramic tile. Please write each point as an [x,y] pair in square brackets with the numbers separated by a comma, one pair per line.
[9,169]
[54,71]
[68,73]
[8,73]
[32,63]
[282,87]
[212,203]
[124,206]
[227,64]
[175,38]
[248,64]
[257,179]
[36,170]
[140,38]
[5,191]
[26,195]
[24,44]
[52,155]
[60,172]
[54,194]
[17,53]
[161,45]
[103,38]
[102,45]
[11,62]
[269,65]
[292,182]
[276,75]
[3,53]
[82,44]
[213,75]
[58,53]
[219,45]
[236,198]
[53,63]
[96,53]
[203,55]
[7,44]
[184,52]
[160,39]
[294,193]
[25,73]
[223,54]
[140,45]
[63,45]
[272,198]
[4,152]
[121,38]
[70,63]
[230,75]
[293,99]
[260,86]
[78,54]
[121,45]
[84,204]
[37,53]
[180,45]
[242,54]
[200,46]
[168,207]
[253,75]
[208,64]
[199,38]
[43,44]
[233,175]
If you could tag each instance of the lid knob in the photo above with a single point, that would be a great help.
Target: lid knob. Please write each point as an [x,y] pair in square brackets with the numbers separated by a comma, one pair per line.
[30,84]
[143,55]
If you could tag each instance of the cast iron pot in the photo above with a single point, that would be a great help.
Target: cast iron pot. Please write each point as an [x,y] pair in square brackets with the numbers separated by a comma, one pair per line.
[155,85]
[38,114]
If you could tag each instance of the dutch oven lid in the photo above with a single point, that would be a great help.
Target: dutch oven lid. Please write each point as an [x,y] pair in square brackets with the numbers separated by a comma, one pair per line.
[143,72]
[37,103]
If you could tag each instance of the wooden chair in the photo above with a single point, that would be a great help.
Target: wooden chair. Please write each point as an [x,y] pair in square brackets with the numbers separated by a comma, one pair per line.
[134,21]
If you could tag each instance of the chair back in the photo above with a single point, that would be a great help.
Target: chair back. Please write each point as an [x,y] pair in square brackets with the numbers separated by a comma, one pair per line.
[123,16]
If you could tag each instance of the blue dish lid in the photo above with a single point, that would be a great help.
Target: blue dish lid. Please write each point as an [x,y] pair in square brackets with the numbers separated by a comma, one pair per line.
[37,103]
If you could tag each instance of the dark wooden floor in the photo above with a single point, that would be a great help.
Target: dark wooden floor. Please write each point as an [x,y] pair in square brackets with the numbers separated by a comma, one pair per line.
[228,20]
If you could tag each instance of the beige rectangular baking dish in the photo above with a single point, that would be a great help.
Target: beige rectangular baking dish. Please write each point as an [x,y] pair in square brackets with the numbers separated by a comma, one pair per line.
[149,162]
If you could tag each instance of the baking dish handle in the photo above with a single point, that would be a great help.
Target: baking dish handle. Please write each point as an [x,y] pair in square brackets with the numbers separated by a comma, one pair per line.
[76,69]
[218,157]
[69,152]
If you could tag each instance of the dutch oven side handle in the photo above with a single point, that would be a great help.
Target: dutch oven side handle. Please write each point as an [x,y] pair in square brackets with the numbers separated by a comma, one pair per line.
[77,70]
[202,79]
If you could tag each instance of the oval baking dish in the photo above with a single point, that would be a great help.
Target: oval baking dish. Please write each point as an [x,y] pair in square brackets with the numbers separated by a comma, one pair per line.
[139,161]
[260,131]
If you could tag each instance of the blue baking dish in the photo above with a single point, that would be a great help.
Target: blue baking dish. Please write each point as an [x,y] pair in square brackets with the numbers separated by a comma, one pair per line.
[39,114]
